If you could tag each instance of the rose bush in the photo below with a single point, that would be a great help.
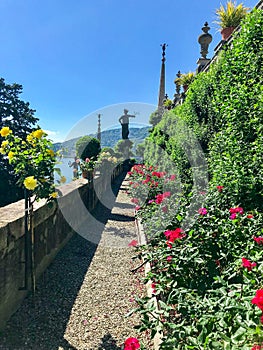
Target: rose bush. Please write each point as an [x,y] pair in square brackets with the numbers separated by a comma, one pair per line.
[204,278]
[33,160]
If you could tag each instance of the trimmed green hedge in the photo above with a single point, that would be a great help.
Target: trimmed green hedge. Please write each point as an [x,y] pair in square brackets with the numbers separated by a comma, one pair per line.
[223,110]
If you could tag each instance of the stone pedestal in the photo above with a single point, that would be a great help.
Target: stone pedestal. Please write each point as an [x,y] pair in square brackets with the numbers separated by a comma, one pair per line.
[201,63]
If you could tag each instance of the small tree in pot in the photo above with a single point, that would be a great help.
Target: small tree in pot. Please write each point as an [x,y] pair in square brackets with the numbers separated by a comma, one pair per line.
[229,17]
[87,149]
[185,80]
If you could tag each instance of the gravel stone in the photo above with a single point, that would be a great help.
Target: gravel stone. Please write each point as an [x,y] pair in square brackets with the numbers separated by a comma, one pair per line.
[82,299]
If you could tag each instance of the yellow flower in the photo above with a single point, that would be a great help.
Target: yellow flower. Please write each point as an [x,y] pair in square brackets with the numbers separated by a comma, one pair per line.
[51,152]
[38,133]
[30,183]
[2,151]
[10,155]
[5,131]
[29,137]
[63,179]
[4,144]
[54,194]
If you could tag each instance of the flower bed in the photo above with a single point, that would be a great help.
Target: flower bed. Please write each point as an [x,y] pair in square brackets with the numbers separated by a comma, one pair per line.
[206,271]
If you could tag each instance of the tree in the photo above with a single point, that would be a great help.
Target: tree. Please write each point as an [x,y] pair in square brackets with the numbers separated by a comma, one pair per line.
[140,148]
[88,147]
[155,118]
[15,113]
[108,150]
[19,117]
[123,148]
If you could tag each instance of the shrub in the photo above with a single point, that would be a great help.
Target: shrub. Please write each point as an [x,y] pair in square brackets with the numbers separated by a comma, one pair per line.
[204,277]
[88,147]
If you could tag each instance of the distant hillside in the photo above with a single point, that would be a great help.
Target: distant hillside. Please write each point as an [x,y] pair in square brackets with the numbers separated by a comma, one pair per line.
[109,138]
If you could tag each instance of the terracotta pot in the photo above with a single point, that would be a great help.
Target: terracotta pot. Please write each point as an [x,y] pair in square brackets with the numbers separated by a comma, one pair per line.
[84,174]
[185,87]
[226,32]
[88,174]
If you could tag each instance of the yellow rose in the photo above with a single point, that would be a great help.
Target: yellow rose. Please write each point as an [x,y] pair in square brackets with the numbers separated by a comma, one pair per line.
[29,138]
[63,179]
[51,152]
[4,144]
[38,133]
[54,194]
[5,131]
[10,155]
[30,183]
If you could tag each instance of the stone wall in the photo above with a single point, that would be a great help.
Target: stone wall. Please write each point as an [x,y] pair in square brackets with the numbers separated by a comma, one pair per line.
[51,232]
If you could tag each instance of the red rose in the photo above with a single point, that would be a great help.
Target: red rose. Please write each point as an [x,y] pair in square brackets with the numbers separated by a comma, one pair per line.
[247,264]
[131,344]
[202,211]
[258,299]
[259,240]
[133,243]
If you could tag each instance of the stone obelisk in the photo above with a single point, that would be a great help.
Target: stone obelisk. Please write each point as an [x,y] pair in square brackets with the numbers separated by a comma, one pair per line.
[99,128]
[161,96]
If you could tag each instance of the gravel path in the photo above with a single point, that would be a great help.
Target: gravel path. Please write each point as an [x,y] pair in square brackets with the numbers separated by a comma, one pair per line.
[83,297]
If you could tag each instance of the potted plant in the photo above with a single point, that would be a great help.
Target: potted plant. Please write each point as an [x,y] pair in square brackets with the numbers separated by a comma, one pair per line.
[185,80]
[229,17]
[106,161]
[87,168]
[168,104]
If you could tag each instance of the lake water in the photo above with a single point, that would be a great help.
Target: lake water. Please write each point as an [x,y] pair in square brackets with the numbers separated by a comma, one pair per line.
[66,170]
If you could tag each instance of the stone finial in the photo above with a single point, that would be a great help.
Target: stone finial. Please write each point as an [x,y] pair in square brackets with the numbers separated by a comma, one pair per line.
[164,46]
[162,81]
[204,40]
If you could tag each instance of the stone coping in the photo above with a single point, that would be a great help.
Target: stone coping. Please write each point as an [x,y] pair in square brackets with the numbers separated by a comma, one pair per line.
[143,240]
[16,211]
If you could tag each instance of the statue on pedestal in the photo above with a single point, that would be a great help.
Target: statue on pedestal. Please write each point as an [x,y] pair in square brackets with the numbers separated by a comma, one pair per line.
[124,120]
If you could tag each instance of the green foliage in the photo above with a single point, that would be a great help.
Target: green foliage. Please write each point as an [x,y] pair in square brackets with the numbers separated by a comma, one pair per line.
[223,110]
[18,116]
[185,79]
[155,118]
[32,160]
[88,147]
[203,288]
[108,150]
[236,149]
[230,15]
[168,103]
[15,113]
[140,148]
[106,161]
[123,149]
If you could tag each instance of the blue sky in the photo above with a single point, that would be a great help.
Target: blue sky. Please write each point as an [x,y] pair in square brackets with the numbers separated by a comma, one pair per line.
[75,58]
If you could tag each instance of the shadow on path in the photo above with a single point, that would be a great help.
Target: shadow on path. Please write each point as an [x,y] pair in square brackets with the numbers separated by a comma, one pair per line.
[41,323]
[108,343]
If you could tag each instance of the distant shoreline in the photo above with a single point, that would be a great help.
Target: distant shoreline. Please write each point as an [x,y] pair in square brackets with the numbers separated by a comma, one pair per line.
[109,138]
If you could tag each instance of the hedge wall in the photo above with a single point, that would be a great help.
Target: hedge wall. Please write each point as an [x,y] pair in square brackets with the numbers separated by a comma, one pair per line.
[223,113]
